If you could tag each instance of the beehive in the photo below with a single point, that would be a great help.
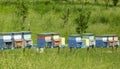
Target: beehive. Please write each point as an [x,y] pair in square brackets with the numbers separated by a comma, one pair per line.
[74,41]
[101,41]
[107,40]
[44,40]
[88,39]
[62,41]
[18,40]
[1,41]
[55,39]
[8,40]
[26,35]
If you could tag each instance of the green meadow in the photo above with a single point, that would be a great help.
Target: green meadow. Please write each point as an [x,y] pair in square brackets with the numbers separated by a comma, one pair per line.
[46,16]
[98,58]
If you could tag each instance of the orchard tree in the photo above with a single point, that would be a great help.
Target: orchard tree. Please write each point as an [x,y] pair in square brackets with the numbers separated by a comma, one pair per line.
[115,2]
[65,17]
[106,3]
[82,21]
[22,11]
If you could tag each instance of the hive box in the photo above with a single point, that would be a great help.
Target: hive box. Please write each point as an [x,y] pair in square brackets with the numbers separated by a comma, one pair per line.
[88,39]
[48,40]
[6,40]
[26,35]
[107,40]
[74,41]
[43,40]
[18,40]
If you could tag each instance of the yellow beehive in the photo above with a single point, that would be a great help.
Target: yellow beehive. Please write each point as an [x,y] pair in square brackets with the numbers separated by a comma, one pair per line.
[87,42]
[56,37]
[62,41]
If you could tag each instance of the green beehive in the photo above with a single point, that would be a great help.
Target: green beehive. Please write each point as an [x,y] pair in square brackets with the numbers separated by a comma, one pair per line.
[88,39]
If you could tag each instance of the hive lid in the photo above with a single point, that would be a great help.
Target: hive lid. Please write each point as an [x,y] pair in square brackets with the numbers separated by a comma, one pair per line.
[111,35]
[44,34]
[5,33]
[53,33]
[108,35]
[16,33]
[26,32]
[75,35]
[87,34]
[47,34]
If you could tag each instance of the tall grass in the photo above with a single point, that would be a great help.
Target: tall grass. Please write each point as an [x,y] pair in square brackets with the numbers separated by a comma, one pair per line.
[78,58]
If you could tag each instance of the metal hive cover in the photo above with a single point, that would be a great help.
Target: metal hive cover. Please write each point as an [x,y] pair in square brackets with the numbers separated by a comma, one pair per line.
[5,33]
[16,32]
[44,34]
[26,32]
[75,35]
[47,34]
[88,34]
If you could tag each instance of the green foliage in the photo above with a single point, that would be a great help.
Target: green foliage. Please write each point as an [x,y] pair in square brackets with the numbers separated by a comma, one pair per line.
[65,17]
[82,21]
[115,2]
[22,11]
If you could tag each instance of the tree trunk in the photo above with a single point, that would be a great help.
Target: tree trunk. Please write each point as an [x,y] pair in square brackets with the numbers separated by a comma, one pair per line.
[23,22]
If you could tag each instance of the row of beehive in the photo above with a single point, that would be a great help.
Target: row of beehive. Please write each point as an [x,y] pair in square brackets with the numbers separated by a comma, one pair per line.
[89,40]
[50,40]
[15,39]
[23,39]
[78,41]
[107,40]
[81,41]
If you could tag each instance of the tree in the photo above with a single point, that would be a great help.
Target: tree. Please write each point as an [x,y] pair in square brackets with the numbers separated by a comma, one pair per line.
[115,2]
[106,3]
[82,21]
[65,17]
[22,11]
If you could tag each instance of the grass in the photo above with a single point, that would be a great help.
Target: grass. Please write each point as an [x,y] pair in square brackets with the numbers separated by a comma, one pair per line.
[96,58]
[46,17]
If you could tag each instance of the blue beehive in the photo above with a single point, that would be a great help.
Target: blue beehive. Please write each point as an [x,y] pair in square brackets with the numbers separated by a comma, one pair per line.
[74,41]
[7,40]
[26,35]
[102,41]
[109,40]
[44,39]
[1,41]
